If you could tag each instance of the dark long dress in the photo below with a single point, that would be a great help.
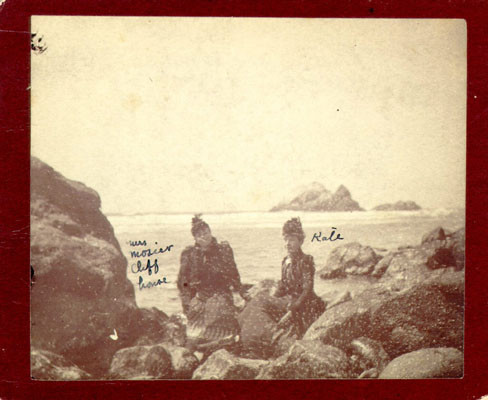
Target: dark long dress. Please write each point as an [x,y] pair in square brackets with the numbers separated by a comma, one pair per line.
[261,337]
[297,279]
[205,281]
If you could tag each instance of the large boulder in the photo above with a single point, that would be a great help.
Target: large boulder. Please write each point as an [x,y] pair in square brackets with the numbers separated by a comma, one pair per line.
[308,359]
[155,327]
[82,304]
[336,297]
[46,365]
[142,362]
[407,266]
[456,242]
[258,321]
[447,246]
[437,234]
[426,315]
[341,324]
[183,361]
[426,364]
[224,365]
[67,205]
[382,265]
[316,197]
[439,249]
[368,357]
[162,360]
[350,259]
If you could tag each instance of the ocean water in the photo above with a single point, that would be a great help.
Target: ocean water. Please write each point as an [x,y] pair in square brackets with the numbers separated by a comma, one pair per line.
[256,240]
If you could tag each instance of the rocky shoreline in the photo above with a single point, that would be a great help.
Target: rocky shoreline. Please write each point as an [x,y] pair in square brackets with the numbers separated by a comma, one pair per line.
[86,325]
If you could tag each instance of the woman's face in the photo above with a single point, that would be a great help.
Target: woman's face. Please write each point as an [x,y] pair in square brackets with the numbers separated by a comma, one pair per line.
[292,244]
[203,238]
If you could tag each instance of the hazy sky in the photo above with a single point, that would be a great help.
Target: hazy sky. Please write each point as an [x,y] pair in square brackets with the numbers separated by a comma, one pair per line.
[212,114]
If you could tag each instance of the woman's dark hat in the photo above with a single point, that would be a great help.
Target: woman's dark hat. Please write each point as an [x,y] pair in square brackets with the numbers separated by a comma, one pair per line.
[198,225]
[293,227]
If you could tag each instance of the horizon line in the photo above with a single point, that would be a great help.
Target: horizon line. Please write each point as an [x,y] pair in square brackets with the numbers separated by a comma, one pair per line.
[115,214]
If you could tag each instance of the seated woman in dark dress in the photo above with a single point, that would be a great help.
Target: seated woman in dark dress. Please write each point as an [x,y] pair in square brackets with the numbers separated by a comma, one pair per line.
[207,277]
[269,323]
[296,284]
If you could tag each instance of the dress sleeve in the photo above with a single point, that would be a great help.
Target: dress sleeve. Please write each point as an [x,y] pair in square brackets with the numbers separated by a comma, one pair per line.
[230,273]
[308,271]
[184,279]
[281,291]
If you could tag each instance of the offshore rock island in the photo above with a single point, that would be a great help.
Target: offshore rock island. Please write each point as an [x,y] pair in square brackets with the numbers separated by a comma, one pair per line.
[398,206]
[316,197]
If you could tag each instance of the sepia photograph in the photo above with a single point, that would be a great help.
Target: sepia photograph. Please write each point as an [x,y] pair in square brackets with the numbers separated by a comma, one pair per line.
[217,198]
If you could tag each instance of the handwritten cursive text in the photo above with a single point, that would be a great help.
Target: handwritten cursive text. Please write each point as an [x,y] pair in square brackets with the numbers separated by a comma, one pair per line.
[149,267]
[149,252]
[319,238]
[150,285]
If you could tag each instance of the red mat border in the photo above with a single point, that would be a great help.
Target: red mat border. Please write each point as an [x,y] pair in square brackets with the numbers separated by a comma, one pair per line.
[14,204]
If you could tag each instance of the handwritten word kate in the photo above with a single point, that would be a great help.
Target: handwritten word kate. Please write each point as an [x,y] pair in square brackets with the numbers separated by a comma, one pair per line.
[149,285]
[319,238]
[136,268]
[149,252]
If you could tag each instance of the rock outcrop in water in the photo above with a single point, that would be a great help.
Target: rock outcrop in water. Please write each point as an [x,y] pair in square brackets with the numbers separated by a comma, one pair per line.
[82,304]
[350,259]
[398,206]
[439,249]
[317,198]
